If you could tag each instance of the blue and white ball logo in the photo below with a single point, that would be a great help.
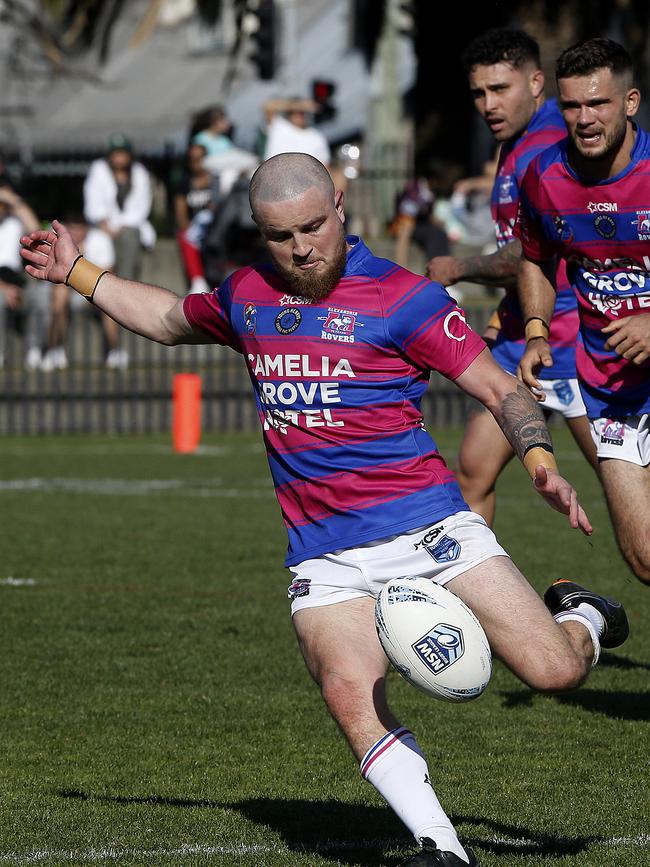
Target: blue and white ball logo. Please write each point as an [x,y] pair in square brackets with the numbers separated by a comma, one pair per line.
[440,647]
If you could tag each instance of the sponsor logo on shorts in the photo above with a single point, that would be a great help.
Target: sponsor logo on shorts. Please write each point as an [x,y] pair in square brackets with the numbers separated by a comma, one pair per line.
[446,550]
[288,320]
[440,647]
[613,432]
[563,390]
[299,587]
[429,537]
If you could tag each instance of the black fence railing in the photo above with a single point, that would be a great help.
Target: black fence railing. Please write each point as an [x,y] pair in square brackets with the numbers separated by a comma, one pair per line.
[89,397]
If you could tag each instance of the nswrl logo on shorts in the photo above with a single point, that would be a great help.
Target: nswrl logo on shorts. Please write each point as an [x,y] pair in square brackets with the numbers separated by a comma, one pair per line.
[440,647]
[445,550]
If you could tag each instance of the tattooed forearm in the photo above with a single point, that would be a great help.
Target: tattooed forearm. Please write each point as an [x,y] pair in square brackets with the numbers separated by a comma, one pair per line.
[522,421]
[497,269]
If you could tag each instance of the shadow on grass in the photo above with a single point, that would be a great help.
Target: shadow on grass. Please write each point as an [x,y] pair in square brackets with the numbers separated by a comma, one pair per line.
[613,660]
[633,706]
[353,834]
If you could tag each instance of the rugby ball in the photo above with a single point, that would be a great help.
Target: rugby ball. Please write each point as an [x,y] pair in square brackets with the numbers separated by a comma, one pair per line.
[433,639]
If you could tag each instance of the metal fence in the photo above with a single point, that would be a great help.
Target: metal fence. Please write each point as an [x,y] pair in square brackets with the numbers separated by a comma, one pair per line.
[88,397]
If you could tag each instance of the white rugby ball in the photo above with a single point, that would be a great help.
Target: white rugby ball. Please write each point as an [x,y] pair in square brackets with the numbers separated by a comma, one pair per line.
[433,639]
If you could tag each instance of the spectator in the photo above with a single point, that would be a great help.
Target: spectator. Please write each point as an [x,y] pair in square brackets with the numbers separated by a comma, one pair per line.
[414,220]
[289,129]
[16,219]
[212,129]
[98,246]
[195,202]
[470,205]
[117,199]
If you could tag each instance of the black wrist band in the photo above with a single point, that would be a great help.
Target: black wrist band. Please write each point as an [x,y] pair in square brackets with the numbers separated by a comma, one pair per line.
[546,446]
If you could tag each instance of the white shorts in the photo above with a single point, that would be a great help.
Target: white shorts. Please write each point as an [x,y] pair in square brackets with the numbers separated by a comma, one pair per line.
[439,551]
[625,439]
[563,396]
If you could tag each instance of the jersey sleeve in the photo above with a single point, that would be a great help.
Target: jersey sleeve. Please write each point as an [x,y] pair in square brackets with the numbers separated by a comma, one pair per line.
[210,312]
[528,226]
[432,331]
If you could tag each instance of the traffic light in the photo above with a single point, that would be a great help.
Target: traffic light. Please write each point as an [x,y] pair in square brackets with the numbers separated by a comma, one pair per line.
[322,92]
[262,27]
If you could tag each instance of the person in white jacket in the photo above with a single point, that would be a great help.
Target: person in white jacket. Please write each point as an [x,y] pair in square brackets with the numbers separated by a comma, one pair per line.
[117,199]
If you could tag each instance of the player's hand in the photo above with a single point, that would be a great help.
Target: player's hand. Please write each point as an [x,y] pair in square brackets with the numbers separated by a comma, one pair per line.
[561,496]
[536,356]
[50,253]
[443,269]
[630,337]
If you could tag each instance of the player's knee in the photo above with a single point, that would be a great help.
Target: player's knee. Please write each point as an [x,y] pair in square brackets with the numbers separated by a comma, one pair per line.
[474,485]
[345,693]
[642,571]
[638,559]
[558,674]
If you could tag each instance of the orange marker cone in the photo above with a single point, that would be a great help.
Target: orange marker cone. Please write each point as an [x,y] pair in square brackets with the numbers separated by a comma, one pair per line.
[186,422]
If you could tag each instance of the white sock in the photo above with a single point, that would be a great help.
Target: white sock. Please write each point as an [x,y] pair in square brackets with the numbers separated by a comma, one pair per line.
[591,619]
[397,769]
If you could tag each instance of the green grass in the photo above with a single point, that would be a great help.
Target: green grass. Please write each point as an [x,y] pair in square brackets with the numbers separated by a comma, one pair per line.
[155,709]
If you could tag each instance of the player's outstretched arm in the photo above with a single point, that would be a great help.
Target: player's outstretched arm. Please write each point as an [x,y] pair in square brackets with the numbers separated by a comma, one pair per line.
[537,299]
[154,312]
[494,269]
[522,421]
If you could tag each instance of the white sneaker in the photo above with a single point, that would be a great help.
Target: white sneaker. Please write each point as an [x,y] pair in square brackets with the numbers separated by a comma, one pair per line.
[54,359]
[33,358]
[117,359]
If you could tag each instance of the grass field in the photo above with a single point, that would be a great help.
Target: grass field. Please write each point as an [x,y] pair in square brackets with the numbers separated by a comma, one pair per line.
[155,709]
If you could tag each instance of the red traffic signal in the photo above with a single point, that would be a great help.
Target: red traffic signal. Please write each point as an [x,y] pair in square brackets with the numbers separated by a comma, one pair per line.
[322,92]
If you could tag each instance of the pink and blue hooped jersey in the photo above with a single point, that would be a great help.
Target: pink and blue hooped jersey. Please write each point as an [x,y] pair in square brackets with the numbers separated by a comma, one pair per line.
[545,128]
[338,385]
[602,231]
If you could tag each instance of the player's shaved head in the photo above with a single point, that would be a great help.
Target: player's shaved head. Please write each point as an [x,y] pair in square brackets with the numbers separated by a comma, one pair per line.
[287,176]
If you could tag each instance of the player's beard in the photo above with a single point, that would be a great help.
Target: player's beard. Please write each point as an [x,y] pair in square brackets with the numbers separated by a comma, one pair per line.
[317,285]
[612,141]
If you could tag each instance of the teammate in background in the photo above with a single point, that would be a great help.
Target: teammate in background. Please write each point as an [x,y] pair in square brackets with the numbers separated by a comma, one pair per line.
[507,86]
[339,344]
[587,200]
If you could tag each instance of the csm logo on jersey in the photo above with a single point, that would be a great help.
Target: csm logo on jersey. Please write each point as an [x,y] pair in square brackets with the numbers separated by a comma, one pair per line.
[602,207]
[339,325]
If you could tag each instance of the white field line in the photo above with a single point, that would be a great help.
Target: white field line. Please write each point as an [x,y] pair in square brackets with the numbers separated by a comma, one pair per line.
[118,853]
[10,581]
[80,449]
[133,487]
